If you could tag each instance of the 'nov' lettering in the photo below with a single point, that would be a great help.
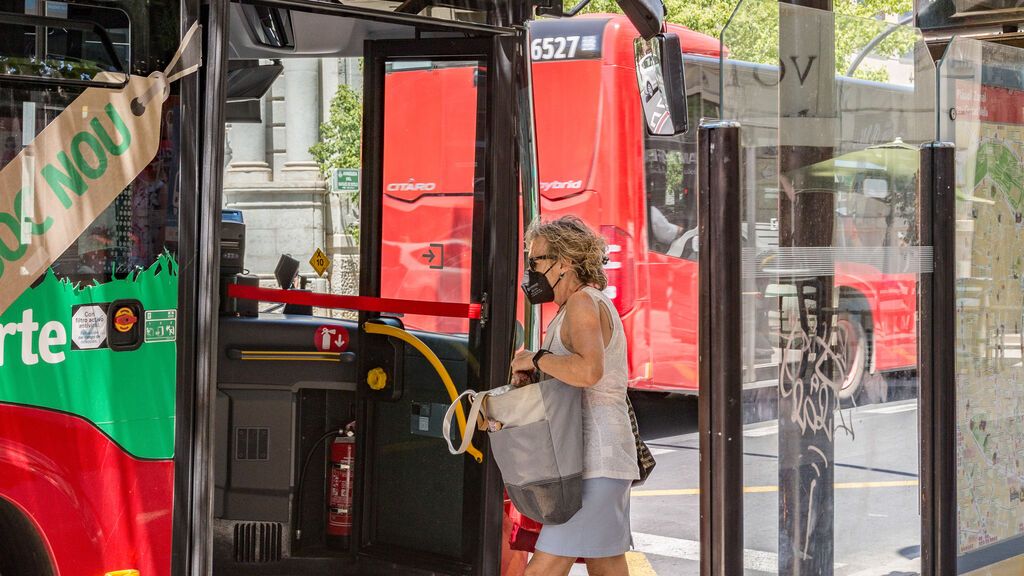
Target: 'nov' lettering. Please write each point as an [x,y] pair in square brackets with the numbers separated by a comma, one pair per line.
[99,143]
[88,160]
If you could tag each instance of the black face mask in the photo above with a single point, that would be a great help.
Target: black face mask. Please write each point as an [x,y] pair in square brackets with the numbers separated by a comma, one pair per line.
[537,288]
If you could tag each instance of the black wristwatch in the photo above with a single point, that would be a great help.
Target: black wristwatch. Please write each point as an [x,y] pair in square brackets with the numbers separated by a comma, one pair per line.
[536,358]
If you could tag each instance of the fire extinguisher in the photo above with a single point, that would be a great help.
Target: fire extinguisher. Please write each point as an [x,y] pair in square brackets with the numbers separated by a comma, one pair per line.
[340,491]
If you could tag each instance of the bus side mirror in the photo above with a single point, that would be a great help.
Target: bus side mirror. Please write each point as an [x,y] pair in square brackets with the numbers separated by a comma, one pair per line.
[660,78]
[648,16]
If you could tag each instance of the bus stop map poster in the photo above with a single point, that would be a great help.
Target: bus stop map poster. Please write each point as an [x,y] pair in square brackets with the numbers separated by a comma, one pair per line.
[990,293]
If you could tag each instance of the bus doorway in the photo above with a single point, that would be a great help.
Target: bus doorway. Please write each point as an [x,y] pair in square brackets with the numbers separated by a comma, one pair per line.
[327,455]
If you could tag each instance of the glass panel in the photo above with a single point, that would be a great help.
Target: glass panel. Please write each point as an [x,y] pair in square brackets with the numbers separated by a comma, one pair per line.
[433,172]
[663,339]
[73,52]
[123,263]
[981,88]
[832,111]
[937,14]
[432,168]
[293,169]
[477,11]
[89,198]
[292,165]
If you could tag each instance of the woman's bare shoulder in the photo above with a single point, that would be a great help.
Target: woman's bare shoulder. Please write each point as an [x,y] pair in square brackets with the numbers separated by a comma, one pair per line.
[581,302]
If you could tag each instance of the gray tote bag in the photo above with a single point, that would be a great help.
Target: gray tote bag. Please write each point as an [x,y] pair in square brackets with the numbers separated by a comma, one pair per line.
[539,448]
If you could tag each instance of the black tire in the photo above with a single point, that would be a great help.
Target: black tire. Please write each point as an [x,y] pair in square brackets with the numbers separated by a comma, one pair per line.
[22,552]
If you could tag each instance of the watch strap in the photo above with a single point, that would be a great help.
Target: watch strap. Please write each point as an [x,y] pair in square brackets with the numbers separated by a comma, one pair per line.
[536,358]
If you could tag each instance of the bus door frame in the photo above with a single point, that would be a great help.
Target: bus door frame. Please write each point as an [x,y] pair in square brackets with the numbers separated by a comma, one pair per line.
[494,273]
[192,551]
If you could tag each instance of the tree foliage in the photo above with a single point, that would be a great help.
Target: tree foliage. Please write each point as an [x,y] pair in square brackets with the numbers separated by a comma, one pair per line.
[340,144]
[753,34]
[341,135]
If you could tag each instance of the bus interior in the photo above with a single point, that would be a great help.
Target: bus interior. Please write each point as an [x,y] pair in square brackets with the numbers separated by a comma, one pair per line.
[313,471]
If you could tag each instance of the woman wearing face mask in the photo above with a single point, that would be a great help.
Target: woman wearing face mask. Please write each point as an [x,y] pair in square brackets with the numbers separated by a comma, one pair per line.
[585,346]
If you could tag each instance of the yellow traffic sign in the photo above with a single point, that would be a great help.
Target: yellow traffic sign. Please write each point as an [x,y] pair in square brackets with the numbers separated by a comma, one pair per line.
[320,262]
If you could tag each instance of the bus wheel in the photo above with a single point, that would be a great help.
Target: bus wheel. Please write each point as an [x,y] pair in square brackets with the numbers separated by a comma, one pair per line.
[22,552]
[852,347]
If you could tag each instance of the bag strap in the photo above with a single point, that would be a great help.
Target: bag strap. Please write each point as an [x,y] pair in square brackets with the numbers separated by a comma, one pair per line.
[476,404]
[475,407]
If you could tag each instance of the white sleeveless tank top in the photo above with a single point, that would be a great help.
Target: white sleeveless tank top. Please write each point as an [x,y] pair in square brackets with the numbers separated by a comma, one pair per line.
[609,449]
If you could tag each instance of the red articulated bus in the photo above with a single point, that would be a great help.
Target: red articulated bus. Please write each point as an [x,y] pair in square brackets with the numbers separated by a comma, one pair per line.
[596,161]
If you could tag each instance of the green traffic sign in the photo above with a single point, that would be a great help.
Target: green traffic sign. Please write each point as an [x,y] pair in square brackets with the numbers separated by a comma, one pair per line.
[346,179]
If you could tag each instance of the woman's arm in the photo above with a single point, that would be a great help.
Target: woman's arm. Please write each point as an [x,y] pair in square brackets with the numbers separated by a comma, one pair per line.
[583,337]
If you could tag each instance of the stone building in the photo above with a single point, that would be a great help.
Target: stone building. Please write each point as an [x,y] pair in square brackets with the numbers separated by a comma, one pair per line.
[274,179]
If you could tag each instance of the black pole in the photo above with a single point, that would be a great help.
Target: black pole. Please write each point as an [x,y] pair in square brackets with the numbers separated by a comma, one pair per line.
[720,418]
[936,360]
[807,119]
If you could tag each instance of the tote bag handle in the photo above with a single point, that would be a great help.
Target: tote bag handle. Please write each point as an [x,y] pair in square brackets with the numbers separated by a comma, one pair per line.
[475,407]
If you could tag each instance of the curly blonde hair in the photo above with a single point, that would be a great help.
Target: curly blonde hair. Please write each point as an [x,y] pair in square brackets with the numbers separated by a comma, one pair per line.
[570,239]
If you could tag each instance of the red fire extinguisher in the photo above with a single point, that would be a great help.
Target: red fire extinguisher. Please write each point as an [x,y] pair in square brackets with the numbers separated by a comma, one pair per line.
[339,501]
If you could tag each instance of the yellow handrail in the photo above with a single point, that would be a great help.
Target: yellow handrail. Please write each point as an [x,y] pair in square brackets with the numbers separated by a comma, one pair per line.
[393,332]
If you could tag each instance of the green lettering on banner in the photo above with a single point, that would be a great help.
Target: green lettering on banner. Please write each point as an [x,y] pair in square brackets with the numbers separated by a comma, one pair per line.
[14,223]
[92,172]
[69,178]
[129,395]
[122,129]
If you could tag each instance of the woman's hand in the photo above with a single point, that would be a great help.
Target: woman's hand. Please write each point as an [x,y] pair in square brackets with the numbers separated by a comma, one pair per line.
[520,379]
[484,424]
[522,362]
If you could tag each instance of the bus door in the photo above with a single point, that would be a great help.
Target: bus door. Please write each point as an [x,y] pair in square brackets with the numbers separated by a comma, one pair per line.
[328,450]
[420,502]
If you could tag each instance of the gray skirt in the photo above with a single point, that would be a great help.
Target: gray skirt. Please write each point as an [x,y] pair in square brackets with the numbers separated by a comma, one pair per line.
[600,528]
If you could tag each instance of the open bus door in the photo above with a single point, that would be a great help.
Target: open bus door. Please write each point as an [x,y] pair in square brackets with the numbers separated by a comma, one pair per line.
[419,502]
[293,492]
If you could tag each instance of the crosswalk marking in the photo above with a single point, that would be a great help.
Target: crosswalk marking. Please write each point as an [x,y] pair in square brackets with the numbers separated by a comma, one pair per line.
[690,550]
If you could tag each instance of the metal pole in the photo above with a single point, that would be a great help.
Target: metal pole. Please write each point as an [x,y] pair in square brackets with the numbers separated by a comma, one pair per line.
[936,360]
[807,119]
[720,419]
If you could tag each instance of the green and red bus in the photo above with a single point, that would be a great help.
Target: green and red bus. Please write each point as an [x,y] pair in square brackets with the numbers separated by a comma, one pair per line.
[150,423]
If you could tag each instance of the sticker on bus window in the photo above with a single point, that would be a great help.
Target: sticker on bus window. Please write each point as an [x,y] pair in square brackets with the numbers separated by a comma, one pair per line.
[161,326]
[75,167]
[60,349]
[89,327]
